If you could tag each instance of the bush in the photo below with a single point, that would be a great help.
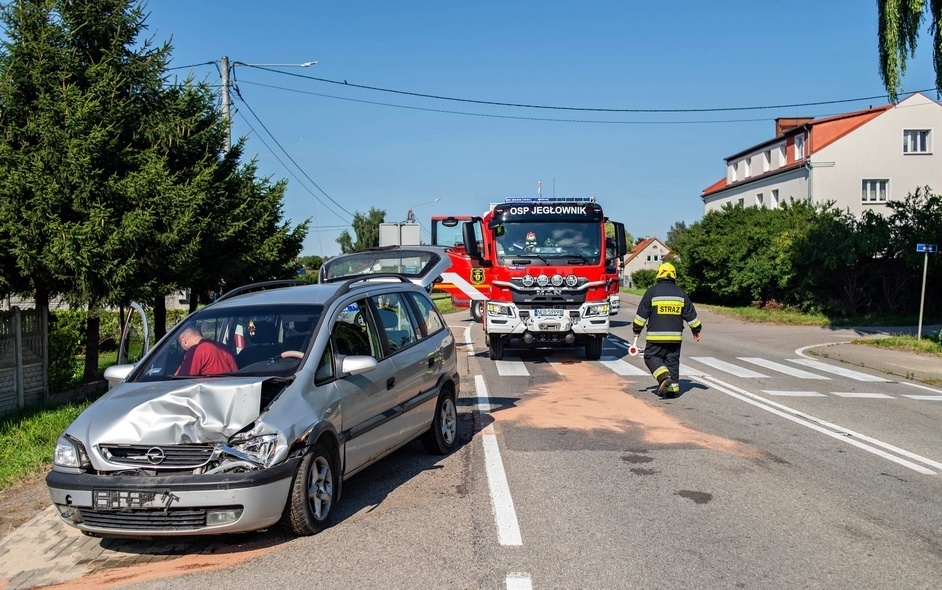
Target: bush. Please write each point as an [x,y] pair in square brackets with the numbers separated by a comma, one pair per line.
[644,278]
[66,333]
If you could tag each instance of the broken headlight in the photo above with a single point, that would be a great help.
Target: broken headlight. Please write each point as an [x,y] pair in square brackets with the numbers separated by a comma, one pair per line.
[260,449]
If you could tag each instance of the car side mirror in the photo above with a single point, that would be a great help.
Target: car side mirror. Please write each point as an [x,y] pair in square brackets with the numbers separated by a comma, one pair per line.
[117,373]
[357,365]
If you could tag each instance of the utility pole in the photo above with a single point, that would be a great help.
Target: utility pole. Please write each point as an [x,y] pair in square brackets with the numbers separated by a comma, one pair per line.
[226,101]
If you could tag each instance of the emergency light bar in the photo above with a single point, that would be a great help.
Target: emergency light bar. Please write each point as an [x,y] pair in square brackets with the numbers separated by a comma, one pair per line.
[549,200]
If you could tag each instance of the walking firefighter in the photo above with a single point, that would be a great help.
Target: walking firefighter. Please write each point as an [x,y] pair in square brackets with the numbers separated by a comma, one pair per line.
[663,309]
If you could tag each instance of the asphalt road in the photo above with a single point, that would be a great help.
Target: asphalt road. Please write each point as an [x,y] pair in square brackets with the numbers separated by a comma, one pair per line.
[770,471]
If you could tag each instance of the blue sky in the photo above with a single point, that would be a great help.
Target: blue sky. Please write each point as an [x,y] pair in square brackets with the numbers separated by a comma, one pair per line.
[647,169]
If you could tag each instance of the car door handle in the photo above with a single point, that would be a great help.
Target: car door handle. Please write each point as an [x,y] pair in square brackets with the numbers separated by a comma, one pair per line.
[390,383]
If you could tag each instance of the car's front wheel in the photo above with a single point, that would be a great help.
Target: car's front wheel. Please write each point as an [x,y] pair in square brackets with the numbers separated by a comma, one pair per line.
[311,501]
[443,433]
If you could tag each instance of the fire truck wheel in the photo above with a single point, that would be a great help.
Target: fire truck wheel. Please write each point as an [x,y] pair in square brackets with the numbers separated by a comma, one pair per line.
[593,347]
[496,348]
[477,311]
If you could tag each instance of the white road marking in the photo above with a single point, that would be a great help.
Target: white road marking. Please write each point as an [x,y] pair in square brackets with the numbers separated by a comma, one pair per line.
[621,367]
[515,368]
[794,393]
[467,340]
[617,343]
[688,371]
[837,432]
[794,372]
[858,394]
[519,582]
[924,397]
[939,391]
[482,402]
[730,368]
[856,375]
[508,528]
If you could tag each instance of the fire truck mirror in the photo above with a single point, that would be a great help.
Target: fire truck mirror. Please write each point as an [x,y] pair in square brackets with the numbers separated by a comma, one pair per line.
[470,241]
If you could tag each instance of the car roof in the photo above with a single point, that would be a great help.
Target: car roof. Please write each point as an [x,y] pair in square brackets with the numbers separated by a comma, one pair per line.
[313,294]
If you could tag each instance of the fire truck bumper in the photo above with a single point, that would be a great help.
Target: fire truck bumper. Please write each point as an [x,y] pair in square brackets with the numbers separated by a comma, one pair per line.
[507,318]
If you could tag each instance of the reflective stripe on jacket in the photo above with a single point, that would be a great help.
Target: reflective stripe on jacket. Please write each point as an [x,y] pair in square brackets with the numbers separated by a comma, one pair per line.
[664,308]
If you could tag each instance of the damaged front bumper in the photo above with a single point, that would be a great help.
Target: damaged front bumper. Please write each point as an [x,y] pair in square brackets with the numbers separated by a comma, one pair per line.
[149,506]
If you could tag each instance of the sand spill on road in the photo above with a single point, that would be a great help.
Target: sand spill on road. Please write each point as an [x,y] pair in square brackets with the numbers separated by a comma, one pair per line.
[587,398]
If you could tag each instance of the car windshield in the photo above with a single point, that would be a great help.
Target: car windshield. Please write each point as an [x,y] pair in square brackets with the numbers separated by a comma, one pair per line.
[255,340]
[408,263]
[543,241]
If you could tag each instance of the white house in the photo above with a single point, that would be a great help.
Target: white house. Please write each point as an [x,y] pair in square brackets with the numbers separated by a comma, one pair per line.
[859,160]
[648,253]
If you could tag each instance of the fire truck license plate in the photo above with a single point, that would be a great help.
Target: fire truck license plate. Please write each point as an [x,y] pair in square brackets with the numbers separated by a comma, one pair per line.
[118,499]
[550,313]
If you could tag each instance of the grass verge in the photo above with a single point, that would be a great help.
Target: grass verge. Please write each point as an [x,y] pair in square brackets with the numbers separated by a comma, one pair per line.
[28,438]
[443,303]
[928,345]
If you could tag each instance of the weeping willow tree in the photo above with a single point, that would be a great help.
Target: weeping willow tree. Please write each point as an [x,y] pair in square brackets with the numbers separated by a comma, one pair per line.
[899,24]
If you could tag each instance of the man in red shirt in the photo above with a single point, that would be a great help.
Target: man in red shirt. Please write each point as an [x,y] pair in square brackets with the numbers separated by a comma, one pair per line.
[202,356]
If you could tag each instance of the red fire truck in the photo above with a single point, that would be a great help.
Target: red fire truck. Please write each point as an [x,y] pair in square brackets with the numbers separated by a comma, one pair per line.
[538,271]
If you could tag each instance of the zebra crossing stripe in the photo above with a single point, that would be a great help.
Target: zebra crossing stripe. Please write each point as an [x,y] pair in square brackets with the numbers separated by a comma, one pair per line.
[793,371]
[924,397]
[855,375]
[621,367]
[516,368]
[858,394]
[794,393]
[730,368]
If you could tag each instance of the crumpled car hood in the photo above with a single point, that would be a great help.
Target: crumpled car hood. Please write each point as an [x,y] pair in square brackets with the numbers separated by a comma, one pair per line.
[171,412]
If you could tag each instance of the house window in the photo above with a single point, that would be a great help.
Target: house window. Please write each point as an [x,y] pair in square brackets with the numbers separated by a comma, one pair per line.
[741,203]
[775,201]
[649,258]
[916,141]
[874,191]
[760,200]
[781,156]
[799,147]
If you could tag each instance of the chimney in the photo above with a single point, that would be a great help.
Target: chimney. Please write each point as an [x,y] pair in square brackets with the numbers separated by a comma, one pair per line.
[785,124]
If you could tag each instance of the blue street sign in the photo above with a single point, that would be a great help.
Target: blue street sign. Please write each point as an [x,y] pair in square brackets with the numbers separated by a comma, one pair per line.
[927,248]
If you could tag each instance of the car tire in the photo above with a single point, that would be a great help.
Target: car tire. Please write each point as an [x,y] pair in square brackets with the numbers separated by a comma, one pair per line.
[311,499]
[477,311]
[593,347]
[495,347]
[442,435]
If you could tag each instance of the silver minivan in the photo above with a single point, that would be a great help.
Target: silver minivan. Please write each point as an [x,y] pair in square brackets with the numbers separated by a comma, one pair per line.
[256,408]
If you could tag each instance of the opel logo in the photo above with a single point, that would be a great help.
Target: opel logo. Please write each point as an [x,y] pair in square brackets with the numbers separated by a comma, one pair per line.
[155,455]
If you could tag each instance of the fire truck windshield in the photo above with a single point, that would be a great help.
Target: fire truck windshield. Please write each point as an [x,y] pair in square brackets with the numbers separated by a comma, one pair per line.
[551,240]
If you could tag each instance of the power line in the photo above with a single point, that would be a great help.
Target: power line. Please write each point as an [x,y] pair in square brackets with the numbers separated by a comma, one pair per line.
[288,155]
[513,117]
[567,108]
[280,161]
[206,63]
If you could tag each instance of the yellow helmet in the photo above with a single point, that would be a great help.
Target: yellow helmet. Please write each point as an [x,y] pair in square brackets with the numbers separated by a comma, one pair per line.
[667,271]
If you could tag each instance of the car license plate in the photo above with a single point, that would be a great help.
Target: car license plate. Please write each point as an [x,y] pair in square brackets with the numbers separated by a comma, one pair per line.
[550,313]
[122,499]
